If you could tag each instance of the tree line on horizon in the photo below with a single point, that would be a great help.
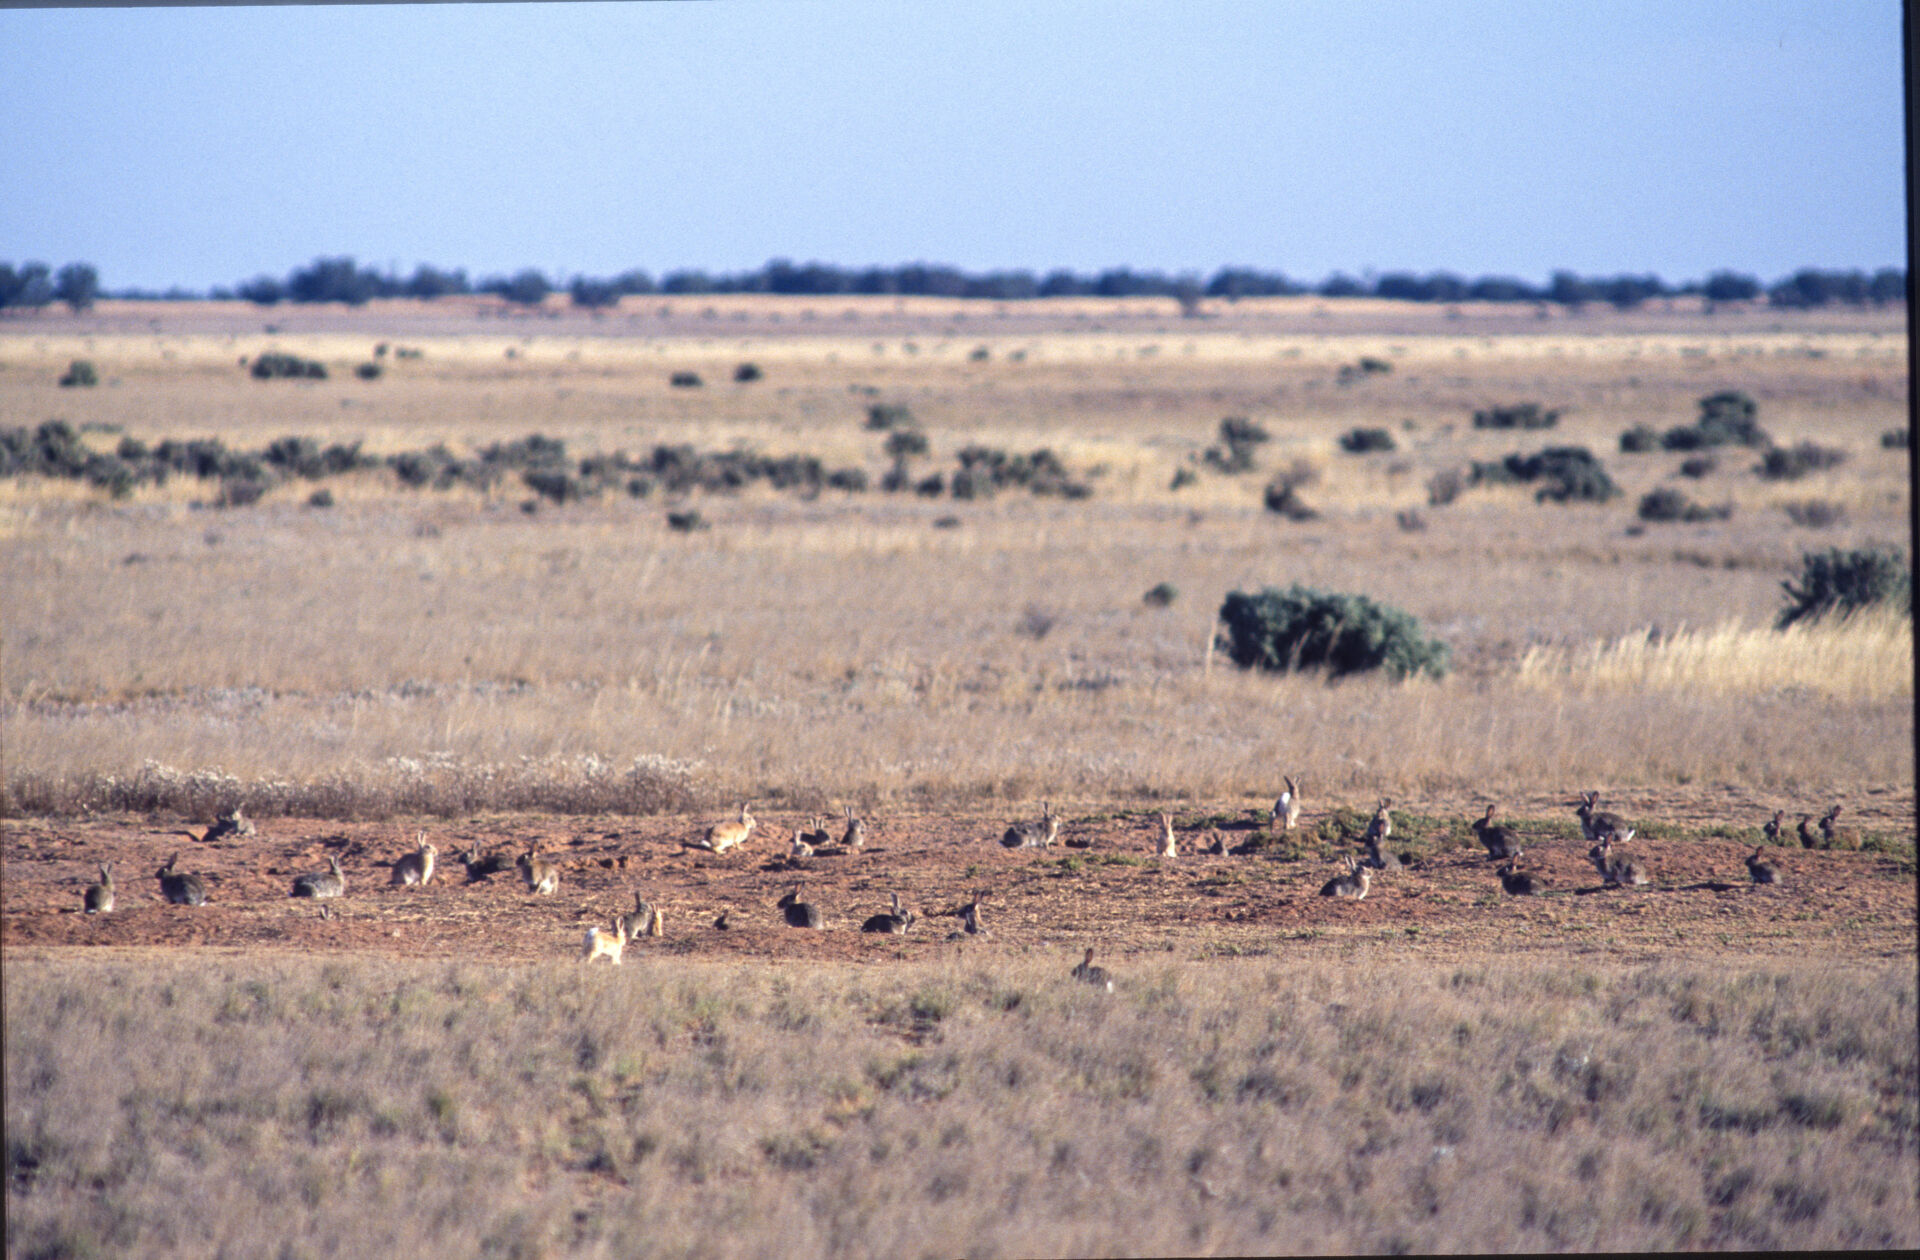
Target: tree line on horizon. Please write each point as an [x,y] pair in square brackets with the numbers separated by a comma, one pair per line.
[341,279]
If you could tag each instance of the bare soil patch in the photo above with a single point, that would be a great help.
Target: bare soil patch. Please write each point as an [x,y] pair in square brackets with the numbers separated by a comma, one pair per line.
[1101,886]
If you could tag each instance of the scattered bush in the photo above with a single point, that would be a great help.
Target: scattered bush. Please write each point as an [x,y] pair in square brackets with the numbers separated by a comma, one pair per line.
[905,443]
[1283,492]
[747,373]
[1410,520]
[1815,513]
[1367,366]
[1360,441]
[1845,581]
[321,498]
[557,486]
[1301,628]
[276,366]
[1790,463]
[1518,416]
[80,372]
[686,522]
[1640,439]
[849,479]
[1698,466]
[1726,419]
[1238,438]
[368,371]
[1161,595]
[685,380]
[889,416]
[1671,505]
[1896,439]
[1182,478]
[1572,474]
[1445,486]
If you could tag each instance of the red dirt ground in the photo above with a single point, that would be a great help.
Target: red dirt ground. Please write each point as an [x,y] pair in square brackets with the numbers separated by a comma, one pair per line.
[1101,887]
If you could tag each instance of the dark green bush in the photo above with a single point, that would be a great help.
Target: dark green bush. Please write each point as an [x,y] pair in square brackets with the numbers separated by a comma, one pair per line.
[889,416]
[557,485]
[1671,505]
[368,371]
[684,380]
[1517,416]
[747,373]
[1845,580]
[1896,439]
[1238,438]
[1790,463]
[1572,474]
[1726,419]
[1698,466]
[850,479]
[321,498]
[1161,595]
[1445,486]
[1299,628]
[1815,513]
[1360,441]
[80,372]
[1640,439]
[686,522]
[276,366]
[902,443]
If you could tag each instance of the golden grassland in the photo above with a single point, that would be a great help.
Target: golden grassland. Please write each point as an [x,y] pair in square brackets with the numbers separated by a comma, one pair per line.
[876,647]
[960,1107]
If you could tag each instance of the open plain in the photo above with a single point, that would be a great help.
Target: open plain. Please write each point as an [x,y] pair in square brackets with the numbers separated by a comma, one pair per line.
[355,660]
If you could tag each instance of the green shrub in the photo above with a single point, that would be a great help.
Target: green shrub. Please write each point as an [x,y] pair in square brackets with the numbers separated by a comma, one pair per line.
[684,380]
[747,373]
[1790,463]
[902,443]
[80,372]
[1815,513]
[686,522]
[1698,466]
[1238,438]
[368,371]
[276,366]
[321,498]
[1640,439]
[1161,595]
[1299,628]
[1671,505]
[1360,441]
[1726,419]
[889,416]
[1517,416]
[1896,439]
[1572,474]
[1844,581]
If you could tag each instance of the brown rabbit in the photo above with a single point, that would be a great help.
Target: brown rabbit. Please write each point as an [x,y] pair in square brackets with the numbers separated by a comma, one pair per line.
[98,899]
[1352,886]
[1762,872]
[541,875]
[416,867]
[1501,842]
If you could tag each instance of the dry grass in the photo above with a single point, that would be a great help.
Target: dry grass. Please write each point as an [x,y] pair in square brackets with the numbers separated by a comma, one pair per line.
[1863,657]
[407,647]
[982,1106]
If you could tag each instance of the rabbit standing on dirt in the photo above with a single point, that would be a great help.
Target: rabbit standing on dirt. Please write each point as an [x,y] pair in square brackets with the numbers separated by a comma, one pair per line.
[480,866]
[854,838]
[1517,883]
[610,945]
[728,835]
[98,899]
[1034,835]
[181,890]
[1762,872]
[1501,842]
[541,875]
[1169,847]
[1286,810]
[895,923]
[328,883]
[1352,886]
[799,913]
[1601,826]
[1617,872]
[416,867]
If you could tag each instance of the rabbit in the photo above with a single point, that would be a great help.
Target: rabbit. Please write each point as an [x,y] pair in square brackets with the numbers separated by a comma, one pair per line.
[328,883]
[1830,828]
[1762,872]
[799,913]
[1615,871]
[1286,810]
[416,867]
[1601,826]
[181,890]
[541,875]
[647,920]
[98,899]
[971,924]
[1034,835]
[896,923]
[802,846]
[1382,825]
[855,837]
[231,823]
[1517,883]
[1501,842]
[1352,886]
[728,835]
[1169,847]
[602,943]
[1772,829]
[1087,973]
[1807,839]
[480,867]
[1381,859]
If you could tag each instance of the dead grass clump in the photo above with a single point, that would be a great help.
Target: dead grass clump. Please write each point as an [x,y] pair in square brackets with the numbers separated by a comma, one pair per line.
[986,1104]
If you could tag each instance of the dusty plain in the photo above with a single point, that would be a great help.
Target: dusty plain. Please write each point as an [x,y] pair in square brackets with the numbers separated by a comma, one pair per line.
[496,670]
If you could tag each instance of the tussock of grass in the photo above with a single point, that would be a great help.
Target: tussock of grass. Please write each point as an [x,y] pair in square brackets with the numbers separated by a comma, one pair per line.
[1866,656]
[986,1107]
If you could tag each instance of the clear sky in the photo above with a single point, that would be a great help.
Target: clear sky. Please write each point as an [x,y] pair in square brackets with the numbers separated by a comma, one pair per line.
[199,147]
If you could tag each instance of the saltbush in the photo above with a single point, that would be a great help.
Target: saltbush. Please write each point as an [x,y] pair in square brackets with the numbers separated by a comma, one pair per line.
[1843,581]
[1572,474]
[1360,441]
[276,366]
[80,372]
[1790,463]
[1300,628]
[1518,416]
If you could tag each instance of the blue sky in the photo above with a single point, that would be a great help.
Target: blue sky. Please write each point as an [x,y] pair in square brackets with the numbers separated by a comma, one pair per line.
[198,147]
